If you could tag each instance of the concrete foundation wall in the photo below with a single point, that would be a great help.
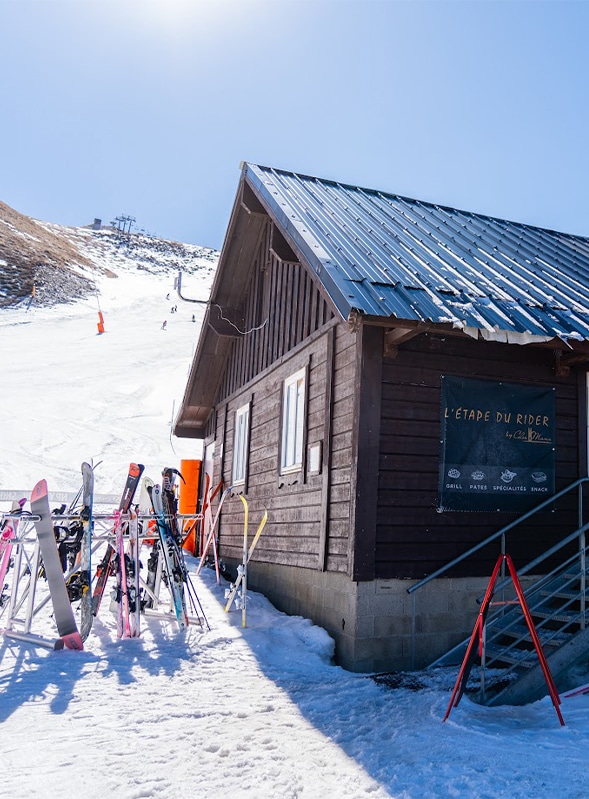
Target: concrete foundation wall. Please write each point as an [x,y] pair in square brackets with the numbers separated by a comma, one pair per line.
[399,631]
[373,623]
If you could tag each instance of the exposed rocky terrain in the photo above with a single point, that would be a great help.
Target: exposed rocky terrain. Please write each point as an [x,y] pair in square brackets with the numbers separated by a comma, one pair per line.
[48,264]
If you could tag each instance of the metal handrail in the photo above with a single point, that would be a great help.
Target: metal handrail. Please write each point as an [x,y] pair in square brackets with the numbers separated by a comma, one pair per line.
[577,617]
[547,554]
[498,534]
[530,592]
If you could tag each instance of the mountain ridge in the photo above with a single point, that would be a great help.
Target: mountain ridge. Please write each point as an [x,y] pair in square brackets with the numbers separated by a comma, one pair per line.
[48,264]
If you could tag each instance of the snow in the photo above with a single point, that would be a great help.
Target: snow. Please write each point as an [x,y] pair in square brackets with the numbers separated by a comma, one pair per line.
[260,711]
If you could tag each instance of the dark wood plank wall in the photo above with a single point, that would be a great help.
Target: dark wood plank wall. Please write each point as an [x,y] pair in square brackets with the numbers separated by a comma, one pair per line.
[309,516]
[282,307]
[413,539]
[344,382]
[294,504]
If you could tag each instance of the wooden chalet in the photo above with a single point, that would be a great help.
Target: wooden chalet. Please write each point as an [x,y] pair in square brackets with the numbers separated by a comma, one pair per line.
[394,381]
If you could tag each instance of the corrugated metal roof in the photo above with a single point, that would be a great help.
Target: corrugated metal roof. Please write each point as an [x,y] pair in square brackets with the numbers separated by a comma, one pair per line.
[386,255]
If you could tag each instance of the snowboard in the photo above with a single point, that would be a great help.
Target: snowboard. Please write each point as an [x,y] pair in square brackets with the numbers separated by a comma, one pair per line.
[62,609]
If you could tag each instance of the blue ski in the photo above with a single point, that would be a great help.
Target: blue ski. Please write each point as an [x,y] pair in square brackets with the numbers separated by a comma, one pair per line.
[173,561]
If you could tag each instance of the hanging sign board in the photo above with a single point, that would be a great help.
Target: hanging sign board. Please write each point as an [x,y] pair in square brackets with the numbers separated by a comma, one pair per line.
[497,445]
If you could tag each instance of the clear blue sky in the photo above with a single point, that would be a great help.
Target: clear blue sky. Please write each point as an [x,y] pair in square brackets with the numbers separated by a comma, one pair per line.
[147,107]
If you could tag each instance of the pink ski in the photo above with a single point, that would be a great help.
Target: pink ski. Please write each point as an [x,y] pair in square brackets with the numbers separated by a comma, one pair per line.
[6,541]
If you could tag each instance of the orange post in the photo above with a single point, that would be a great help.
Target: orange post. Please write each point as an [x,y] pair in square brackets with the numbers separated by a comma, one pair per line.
[188,498]
[100,322]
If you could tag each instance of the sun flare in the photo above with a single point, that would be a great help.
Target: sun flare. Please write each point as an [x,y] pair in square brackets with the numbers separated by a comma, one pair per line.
[188,12]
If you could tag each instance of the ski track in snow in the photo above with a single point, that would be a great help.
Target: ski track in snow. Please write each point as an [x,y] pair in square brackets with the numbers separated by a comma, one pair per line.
[259,712]
[75,395]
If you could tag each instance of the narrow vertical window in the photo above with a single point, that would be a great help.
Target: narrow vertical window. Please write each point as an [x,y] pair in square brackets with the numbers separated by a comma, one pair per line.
[240,444]
[293,422]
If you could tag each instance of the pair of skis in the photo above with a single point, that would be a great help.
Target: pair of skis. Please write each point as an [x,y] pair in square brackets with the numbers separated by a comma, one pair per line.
[125,565]
[169,549]
[109,563]
[239,587]
[79,582]
[126,594]
[167,558]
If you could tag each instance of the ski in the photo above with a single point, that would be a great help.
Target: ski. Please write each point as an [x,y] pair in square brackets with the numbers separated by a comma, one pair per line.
[172,557]
[63,613]
[153,561]
[170,505]
[78,584]
[169,501]
[119,594]
[133,566]
[8,531]
[241,581]
[6,538]
[105,566]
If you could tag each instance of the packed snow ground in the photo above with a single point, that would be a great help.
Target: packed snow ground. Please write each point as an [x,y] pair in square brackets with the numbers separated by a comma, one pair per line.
[258,712]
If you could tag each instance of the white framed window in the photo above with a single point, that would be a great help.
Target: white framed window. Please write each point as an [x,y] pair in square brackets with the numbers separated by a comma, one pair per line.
[293,422]
[240,444]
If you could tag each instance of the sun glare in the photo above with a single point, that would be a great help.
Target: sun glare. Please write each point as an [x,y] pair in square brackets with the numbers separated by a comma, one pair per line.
[179,15]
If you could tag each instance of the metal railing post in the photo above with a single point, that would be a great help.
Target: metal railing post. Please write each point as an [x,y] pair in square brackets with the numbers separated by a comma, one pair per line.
[413,624]
[502,571]
[583,587]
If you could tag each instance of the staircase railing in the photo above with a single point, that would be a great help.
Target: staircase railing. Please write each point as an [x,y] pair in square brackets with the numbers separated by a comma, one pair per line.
[501,536]
[540,586]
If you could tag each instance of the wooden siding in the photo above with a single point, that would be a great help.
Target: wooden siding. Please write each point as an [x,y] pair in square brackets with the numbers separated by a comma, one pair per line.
[292,326]
[366,445]
[282,307]
[308,516]
[341,456]
[412,537]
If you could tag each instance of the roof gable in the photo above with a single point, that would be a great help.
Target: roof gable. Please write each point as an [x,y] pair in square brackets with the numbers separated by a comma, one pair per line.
[393,261]
[383,255]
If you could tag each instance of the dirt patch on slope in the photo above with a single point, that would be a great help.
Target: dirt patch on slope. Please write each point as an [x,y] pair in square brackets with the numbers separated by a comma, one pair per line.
[32,256]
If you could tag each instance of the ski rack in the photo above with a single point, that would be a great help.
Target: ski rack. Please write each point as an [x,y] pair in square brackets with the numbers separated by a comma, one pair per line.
[160,607]
[29,594]
[25,587]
